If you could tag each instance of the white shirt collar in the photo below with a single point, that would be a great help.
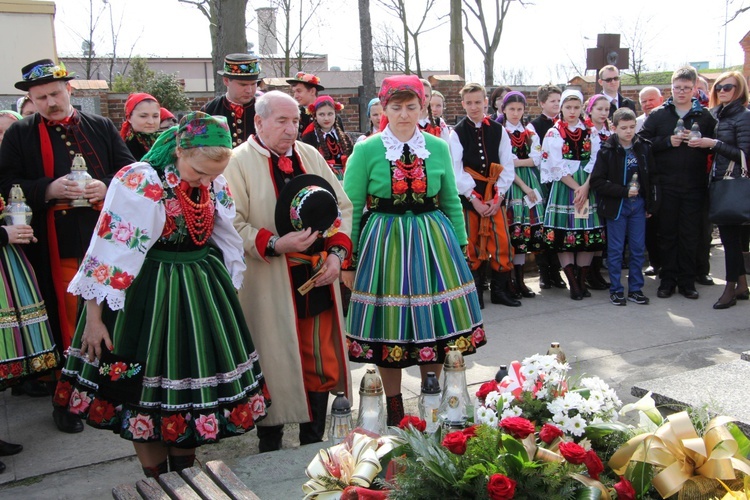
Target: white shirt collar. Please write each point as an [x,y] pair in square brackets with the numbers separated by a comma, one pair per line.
[394,148]
[580,125]
[513,128]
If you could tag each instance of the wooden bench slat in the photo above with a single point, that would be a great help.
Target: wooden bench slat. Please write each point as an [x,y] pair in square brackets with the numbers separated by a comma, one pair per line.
[228,481]
[125,492]
[150,490]
[203,485]
[176,487]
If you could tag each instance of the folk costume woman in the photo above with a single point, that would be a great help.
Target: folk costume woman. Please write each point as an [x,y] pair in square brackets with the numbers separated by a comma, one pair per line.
[597,120]
[571,222]
[427,121]
[413,295]
[26,345]
[168,363]
[524,222]
[325,134]
[374,113]
[141,126]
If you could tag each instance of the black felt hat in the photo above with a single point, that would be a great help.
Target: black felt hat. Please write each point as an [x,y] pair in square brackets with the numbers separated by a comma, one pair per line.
[241,67]
[41,72]
[307,79]
[307,201]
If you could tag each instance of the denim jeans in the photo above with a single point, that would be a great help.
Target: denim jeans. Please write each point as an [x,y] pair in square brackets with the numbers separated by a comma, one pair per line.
[630,225]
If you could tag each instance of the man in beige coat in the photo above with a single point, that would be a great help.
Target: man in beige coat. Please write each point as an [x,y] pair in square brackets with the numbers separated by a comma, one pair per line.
[301,340]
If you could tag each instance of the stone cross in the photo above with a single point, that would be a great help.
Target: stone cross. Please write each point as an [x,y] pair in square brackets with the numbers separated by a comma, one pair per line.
[607,51]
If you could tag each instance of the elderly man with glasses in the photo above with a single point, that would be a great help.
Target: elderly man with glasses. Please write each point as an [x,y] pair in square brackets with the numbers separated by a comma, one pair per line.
[681,174]
[609,79]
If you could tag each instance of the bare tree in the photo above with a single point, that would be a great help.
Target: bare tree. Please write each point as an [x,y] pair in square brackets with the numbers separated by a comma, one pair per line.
[227,25]
[639,38]
[738,11]
[514,76]
[368,64]
[88,43]
[398,9]
[388,50]
[115,36]
[488,46]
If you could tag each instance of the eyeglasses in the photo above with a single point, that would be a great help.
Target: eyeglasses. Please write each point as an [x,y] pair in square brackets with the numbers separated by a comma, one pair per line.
[682,90]
[611,79]
[727,87]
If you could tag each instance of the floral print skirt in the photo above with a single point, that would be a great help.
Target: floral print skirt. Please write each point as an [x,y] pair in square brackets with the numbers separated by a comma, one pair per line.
[183,369]
[26,343]
[524,223]
[413,294]
[563,232]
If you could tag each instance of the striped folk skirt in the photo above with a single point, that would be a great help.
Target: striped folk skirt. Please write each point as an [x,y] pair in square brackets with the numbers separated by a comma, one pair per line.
[564,232]
[183,369]
[27,346]
[413,295]
[524,223]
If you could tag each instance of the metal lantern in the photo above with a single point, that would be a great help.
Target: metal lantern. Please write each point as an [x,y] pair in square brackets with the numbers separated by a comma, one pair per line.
[456,408]
[429,402]
[341,419]
[16,211]
[371,403]
[80,174]
[556,350]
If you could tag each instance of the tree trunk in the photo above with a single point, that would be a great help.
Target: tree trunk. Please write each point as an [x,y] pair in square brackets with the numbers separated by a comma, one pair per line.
[489,75]
[402,5]
[227,34]
[457,41]
[416,57]
[365,40]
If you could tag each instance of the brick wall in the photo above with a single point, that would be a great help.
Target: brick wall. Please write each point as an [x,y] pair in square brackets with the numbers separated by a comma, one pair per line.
[113,105]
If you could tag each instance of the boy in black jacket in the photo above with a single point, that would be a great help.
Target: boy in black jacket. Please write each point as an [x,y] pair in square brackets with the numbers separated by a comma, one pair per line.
[622,179]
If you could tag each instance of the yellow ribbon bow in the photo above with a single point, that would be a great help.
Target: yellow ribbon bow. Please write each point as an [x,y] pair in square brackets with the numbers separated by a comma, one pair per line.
[681,453]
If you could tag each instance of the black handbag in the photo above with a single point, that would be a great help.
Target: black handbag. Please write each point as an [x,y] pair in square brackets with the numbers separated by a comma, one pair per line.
[729,198]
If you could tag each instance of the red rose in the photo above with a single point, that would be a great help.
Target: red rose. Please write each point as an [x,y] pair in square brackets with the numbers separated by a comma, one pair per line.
[62,393]
[3,371]
[242,416]
[101,411]
[153,192]
[587,145]
[16,369]
[121,280]
[593,464]
[169,228]
[355,349]
[386,352]
[545,155]
[419,186]
[477,337]
[470,432]
[415,422]
[116,370]
[518,427]
[456,442]
[501,487]
[565,148]
[573,453]
[549,433]
[400,187]
[624,490]
[486,388]
[104,221]
[172,427]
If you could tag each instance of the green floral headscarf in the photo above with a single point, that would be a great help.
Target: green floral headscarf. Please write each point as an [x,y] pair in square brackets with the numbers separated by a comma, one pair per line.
[196,130]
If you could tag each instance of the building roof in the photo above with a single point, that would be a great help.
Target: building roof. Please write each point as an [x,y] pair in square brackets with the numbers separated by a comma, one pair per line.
[27,6]
[89,84]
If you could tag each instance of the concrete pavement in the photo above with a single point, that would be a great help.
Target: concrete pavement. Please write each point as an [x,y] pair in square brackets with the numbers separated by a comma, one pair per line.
[623,345]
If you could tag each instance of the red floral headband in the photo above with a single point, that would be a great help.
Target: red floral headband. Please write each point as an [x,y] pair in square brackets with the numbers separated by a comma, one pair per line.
[323,101]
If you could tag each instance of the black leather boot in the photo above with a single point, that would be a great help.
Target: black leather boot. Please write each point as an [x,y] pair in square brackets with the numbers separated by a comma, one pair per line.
[181,462]
[499,290]
[554,272]
[513,289]
[520,285]
[479,282]
[594,279]
[156,470]
[575,287]
[270,437]
[312,432]
[583,273]
[542,260]
[394,405]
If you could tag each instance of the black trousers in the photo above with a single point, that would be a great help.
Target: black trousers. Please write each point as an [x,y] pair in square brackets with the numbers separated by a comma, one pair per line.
[652,241]
[703,255]
[731,238]
[679,233]
[310,432]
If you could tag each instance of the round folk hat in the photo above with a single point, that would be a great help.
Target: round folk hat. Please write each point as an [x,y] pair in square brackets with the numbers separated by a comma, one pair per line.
[306,78]
[307,201]
[41,72]
[241,67]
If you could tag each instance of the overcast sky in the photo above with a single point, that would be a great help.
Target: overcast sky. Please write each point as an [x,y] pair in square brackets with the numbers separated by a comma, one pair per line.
[539,40]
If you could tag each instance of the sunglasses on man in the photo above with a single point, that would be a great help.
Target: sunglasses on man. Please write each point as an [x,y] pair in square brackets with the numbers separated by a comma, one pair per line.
[611,79]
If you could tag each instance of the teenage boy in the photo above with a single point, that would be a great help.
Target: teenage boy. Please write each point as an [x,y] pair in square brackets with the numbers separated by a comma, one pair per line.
[623,180]
[682,182]
[549,98]
[483,162]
